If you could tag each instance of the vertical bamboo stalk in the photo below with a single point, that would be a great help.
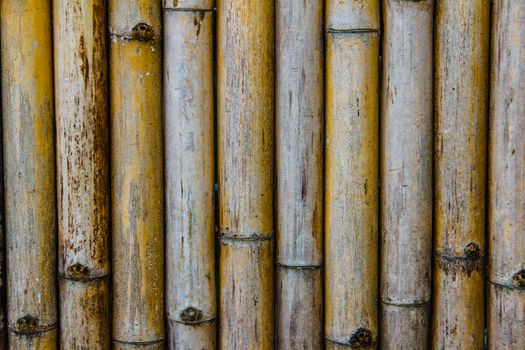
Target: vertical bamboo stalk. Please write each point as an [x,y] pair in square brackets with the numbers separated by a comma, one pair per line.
[189,152]
[82,173]
[406,173]
[506,289]
[299,102]
[351,177]
[246,144]
[137,174]
[3,338]
[29,158]
[461,78]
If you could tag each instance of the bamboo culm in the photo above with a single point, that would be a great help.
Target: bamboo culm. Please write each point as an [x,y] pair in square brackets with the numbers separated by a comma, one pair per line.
[29,159]
[506,214]
[245,87]
[189,155]
[82,173]
[299,111]
[137,174]
[460,147]
[351,174]
[406,174]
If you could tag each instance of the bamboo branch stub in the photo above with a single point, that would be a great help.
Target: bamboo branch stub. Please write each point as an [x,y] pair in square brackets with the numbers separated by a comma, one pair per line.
[506,214]
[189,149]
[29,159]
[406,173]
[137,174]
[461,79]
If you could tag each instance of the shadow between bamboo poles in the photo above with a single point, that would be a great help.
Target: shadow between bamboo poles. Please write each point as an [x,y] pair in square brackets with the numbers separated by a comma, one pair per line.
[299,103]
[406,174]
[506,289]
[189,153]
[461,82]
[246,148]
[82,173]
[137,174]
[351,176]
[29,159]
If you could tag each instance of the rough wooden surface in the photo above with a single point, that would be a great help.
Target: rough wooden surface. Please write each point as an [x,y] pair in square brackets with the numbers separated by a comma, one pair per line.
[351,174]
[299,212]
[245,87]
[137,174]
[189,154]
[29,159]
[460,149]
[82,172]
[506,214]
[406,173]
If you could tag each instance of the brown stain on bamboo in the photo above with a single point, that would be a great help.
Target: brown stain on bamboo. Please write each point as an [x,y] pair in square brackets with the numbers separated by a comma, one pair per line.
[245,85]
[137,174]
[28,129]
[406,173]
[189,149]
[82,172]
[461,79]
[506,213]
[351,173]
[299,192]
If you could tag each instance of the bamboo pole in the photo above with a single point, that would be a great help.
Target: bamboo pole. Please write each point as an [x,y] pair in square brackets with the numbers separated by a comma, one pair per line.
[351,177]
[27,97]
[506,289]
[3,338]
[461,78]
[245,37]
[406,174]
[299,103]
[189,152]
[137,174]
[82,173]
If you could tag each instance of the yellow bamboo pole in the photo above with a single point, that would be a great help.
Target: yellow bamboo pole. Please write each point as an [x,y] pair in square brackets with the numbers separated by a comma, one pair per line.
[82,172]
[137,174]
[351,176]
[461,79]
[245,78]
[299,103]
[406,173]
[29,158]
[189,150]
[506,289]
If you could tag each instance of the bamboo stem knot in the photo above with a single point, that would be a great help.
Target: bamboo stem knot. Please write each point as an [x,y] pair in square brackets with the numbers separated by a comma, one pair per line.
[518,280]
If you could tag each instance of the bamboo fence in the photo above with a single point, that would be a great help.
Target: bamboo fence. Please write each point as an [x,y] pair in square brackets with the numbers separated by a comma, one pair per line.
[260,174]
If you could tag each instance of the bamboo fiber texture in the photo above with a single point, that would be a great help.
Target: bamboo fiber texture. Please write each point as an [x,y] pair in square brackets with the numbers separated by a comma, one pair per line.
[137,174]
[189,154]
[506,214]
[245,105]
[461,87]
[82,173]
[29,158]
[351,174]
[299,102]
[406,174]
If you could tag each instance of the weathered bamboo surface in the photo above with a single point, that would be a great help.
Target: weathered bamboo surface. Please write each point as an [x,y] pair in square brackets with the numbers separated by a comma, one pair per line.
[406,174]
[189,155]
[82,173]
[137,174]
[506,214]
[460,148]
[351,174]
[299,194]
[29,173]
[245,105]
